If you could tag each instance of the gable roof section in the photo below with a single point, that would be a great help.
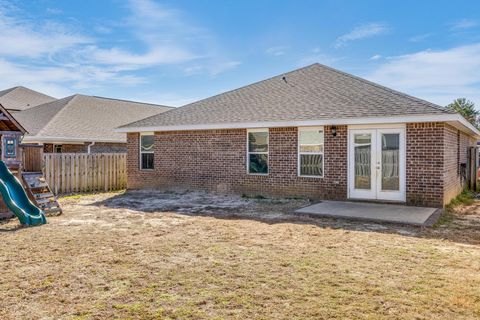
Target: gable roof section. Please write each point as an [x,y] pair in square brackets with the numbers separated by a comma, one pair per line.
[83,118]
[312,95]
[8,122]
[21,98]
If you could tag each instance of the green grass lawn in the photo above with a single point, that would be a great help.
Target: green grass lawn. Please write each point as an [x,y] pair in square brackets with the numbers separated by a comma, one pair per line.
[98,261]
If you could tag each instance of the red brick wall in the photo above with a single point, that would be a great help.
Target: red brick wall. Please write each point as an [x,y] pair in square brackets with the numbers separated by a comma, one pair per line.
[99,147]
[216,160]
[47,148]
[464,143]
[425,163]
[456,153]
[434,154]
[107,147]
[453,183]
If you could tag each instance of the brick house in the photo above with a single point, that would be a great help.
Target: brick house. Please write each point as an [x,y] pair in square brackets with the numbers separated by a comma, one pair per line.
[314,132]
[82,123]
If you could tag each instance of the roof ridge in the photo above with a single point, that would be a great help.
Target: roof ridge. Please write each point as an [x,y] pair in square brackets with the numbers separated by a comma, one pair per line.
[224,92]
[379,86]
[73,97]
[33,91]
[125,100]
[43,104]
[251,84]
[8,90]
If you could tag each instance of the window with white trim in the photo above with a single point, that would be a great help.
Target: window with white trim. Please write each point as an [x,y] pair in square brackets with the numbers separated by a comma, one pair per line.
[310,151]
[257,151]
[147,142]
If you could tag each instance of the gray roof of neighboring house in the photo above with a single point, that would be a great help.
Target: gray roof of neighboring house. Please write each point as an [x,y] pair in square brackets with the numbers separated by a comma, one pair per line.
[86,118]
[21,98]
[314,92]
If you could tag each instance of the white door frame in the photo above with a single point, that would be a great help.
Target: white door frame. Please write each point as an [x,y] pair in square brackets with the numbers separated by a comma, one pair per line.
[375,193]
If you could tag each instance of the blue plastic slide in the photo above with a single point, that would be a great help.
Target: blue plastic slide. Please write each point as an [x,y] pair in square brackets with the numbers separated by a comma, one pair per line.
[17,200]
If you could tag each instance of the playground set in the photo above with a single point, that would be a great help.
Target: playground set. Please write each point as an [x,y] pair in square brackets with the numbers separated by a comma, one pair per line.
[24,191]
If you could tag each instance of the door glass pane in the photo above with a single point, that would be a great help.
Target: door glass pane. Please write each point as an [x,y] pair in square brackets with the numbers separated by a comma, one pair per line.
[363,151]
[390,161]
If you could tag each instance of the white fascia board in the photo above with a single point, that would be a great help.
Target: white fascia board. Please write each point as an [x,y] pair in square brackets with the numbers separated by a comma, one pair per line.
[40,139]
[470,127]
[305,123]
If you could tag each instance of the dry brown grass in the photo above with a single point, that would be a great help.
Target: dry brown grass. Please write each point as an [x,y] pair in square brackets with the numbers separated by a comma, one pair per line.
[101,261]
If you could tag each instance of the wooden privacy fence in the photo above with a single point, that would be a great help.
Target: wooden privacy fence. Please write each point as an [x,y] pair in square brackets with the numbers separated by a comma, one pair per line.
[83,172]
[32,156]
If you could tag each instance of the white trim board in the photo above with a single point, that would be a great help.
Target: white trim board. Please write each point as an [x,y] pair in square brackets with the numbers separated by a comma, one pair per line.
[454,119]
[69,140]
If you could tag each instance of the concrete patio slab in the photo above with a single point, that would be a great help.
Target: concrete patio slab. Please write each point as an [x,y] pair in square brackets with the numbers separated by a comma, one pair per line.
[380,212]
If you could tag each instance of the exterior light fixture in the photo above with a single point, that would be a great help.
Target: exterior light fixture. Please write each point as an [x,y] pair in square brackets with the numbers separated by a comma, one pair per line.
[334,131]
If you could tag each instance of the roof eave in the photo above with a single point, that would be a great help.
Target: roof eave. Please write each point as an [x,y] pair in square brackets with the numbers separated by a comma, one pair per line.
[463,124]
[53,139]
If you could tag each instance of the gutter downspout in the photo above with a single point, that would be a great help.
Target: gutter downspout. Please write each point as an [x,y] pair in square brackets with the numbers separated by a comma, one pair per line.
[90,145]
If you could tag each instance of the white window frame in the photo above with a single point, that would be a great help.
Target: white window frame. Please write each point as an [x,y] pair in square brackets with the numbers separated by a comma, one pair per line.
[299,153]
[140,152]
[267,152]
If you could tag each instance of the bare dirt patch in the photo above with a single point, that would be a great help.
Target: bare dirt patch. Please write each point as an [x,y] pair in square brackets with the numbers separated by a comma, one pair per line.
[154,255]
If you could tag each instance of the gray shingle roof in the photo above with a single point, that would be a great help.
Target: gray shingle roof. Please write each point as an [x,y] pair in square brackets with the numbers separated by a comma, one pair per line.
[84,117]
[315,92]
[21,98]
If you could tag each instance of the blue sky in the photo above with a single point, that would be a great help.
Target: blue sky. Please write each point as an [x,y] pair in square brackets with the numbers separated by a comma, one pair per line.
[175,52]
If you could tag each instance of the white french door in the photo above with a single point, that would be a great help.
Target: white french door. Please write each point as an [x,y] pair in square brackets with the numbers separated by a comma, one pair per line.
[377,164]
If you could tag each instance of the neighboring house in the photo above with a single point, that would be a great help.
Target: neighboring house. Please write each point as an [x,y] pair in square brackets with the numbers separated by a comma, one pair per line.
[20,98]
[314,132]
[81,123]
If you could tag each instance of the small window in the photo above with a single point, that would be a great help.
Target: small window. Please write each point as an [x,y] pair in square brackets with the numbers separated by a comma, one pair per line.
[57,148]
[310,152]
[147,142]
[257,151]
[10,147]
